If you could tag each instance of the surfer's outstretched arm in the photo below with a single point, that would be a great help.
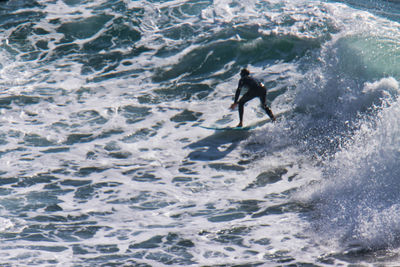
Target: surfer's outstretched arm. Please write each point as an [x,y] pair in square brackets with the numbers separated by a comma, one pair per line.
[237,94]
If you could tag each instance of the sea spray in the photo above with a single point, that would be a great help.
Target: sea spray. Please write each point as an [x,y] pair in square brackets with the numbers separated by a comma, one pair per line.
[357,202]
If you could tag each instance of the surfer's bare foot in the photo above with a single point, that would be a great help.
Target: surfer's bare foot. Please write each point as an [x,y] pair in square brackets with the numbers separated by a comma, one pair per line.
[239,125]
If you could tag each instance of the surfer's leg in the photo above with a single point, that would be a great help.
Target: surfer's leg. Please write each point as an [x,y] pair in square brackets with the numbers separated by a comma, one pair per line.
[241,110]
[246,97]
[266,108]
[269,112]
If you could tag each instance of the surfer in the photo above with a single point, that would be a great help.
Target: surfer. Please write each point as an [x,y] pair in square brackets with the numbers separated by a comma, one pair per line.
[255,89]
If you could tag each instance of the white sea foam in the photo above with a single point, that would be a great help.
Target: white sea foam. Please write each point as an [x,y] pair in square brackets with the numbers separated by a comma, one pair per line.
[101,153]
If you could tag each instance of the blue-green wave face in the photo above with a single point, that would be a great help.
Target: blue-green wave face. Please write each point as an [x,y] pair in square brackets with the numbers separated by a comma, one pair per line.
[106,152]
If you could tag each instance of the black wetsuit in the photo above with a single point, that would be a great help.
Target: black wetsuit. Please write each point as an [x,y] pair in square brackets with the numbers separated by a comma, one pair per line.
[255,89]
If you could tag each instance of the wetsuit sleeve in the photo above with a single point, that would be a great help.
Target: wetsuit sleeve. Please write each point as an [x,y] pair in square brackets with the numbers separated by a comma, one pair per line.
[237,94]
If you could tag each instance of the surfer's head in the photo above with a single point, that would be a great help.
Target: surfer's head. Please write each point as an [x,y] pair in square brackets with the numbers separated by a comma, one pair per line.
[244,72]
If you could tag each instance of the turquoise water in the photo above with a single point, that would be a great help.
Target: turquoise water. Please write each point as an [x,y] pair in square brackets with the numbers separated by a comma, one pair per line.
[103,162]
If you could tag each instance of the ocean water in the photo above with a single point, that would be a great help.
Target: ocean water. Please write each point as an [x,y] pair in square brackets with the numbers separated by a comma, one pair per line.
[103,162]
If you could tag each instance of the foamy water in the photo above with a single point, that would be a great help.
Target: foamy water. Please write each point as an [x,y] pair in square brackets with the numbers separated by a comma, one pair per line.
[103,162]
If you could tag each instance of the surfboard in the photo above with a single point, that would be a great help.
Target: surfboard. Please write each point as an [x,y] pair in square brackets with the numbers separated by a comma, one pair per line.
[216,128]
[245,128]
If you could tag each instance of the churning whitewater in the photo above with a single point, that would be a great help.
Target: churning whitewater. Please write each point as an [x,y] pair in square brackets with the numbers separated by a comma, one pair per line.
[104,162]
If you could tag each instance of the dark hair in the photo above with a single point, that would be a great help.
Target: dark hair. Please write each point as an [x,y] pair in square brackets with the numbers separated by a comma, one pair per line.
[244,72]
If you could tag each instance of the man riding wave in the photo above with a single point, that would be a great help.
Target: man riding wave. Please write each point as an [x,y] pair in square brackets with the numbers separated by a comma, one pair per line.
[255,89]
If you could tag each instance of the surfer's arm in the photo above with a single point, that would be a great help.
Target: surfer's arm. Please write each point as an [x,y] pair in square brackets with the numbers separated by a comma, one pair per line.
[239,88]
[237,94]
